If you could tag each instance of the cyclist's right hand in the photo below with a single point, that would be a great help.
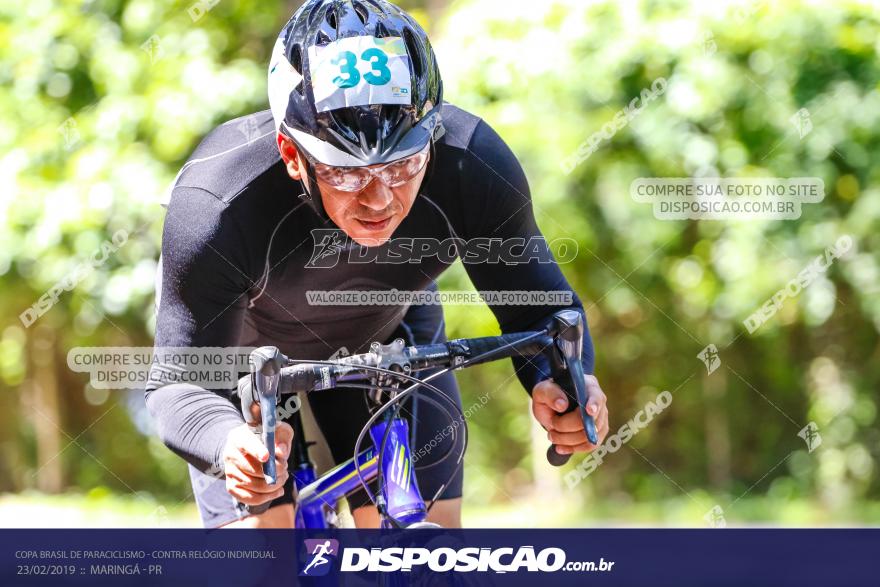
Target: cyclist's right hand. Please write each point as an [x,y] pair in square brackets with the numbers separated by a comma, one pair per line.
[243,458]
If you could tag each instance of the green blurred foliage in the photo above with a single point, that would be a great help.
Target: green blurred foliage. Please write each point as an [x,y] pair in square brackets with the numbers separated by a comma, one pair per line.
[549,75]
[104,100]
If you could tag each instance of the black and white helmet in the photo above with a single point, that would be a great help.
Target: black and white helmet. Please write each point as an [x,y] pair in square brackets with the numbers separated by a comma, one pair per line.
[355,83]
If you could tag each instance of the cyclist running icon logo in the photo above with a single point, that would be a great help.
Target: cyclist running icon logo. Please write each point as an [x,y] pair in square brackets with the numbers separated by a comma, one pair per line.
[322,551]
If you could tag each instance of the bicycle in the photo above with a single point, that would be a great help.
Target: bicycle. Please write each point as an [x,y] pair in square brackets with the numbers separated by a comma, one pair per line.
[382,371]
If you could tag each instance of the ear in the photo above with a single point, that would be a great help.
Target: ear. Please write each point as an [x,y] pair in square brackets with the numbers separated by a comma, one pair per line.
[290,156]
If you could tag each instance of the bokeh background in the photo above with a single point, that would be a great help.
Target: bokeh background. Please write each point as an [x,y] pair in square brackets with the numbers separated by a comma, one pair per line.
[104,100]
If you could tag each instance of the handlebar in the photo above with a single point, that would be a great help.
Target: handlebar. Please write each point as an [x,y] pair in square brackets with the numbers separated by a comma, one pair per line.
[273,374]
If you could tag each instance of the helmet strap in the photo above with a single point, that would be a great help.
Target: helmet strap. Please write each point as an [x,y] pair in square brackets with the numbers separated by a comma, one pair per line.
[312,194]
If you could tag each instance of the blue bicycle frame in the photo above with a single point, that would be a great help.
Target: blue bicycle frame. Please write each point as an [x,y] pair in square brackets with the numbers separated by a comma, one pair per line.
[400,491]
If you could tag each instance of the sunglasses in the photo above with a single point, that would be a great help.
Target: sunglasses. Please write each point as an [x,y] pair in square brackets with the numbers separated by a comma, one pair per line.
[353,179]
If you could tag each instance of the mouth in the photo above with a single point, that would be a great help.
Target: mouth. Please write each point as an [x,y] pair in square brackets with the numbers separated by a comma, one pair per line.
[375,225]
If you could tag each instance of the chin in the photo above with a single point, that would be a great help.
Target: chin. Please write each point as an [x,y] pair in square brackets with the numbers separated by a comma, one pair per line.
[369,241]
[369,238]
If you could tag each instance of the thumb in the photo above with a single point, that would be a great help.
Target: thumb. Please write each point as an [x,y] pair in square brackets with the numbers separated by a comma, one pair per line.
[252,444]
[551,395]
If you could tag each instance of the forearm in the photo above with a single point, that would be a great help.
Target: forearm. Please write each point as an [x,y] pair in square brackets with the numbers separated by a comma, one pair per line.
[193,422]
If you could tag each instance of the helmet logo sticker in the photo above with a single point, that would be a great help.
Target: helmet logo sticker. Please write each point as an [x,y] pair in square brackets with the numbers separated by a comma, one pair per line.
[357,71]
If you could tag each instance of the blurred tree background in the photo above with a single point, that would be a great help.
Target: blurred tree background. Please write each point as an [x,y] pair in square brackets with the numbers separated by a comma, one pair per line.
[105,100]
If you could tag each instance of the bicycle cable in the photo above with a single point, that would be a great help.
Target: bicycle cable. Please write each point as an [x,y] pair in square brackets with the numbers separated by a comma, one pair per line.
[461,366]
[439,461]
[400,397]
[398,400]
[382,509]
[430,400]
[425,382]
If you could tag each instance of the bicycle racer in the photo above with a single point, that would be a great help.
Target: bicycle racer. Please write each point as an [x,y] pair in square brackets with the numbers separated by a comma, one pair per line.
[358,144]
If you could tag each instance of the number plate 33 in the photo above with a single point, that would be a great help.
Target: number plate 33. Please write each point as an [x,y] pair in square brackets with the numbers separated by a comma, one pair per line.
[356,71]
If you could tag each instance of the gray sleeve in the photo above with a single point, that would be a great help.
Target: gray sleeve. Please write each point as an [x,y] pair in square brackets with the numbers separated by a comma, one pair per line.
[204,288]
[193,422]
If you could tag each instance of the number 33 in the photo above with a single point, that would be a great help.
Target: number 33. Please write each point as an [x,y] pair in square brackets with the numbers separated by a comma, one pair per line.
[347,62]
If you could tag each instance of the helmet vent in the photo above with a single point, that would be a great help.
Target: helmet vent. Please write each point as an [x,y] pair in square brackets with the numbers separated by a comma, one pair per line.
[296,58]
[361,11]
[381,31]
[415,54]
[322,38]
[331,18]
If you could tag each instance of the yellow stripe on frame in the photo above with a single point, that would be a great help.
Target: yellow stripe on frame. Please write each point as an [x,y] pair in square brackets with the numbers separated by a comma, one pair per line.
[349,476]
[399,463]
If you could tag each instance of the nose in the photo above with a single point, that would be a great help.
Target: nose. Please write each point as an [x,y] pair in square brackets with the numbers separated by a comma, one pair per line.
[376,196]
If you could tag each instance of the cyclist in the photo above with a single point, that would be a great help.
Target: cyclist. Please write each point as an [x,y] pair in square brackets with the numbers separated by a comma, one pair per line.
[358,144]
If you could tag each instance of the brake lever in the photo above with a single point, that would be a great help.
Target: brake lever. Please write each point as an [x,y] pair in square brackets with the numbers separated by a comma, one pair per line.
[568,372]
[266,363]
[576,368]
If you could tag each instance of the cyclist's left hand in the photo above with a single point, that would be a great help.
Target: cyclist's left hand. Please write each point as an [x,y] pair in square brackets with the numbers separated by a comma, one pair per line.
[566,431]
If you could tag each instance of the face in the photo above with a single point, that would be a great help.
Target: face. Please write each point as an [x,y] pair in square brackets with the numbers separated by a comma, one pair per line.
[368,216]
